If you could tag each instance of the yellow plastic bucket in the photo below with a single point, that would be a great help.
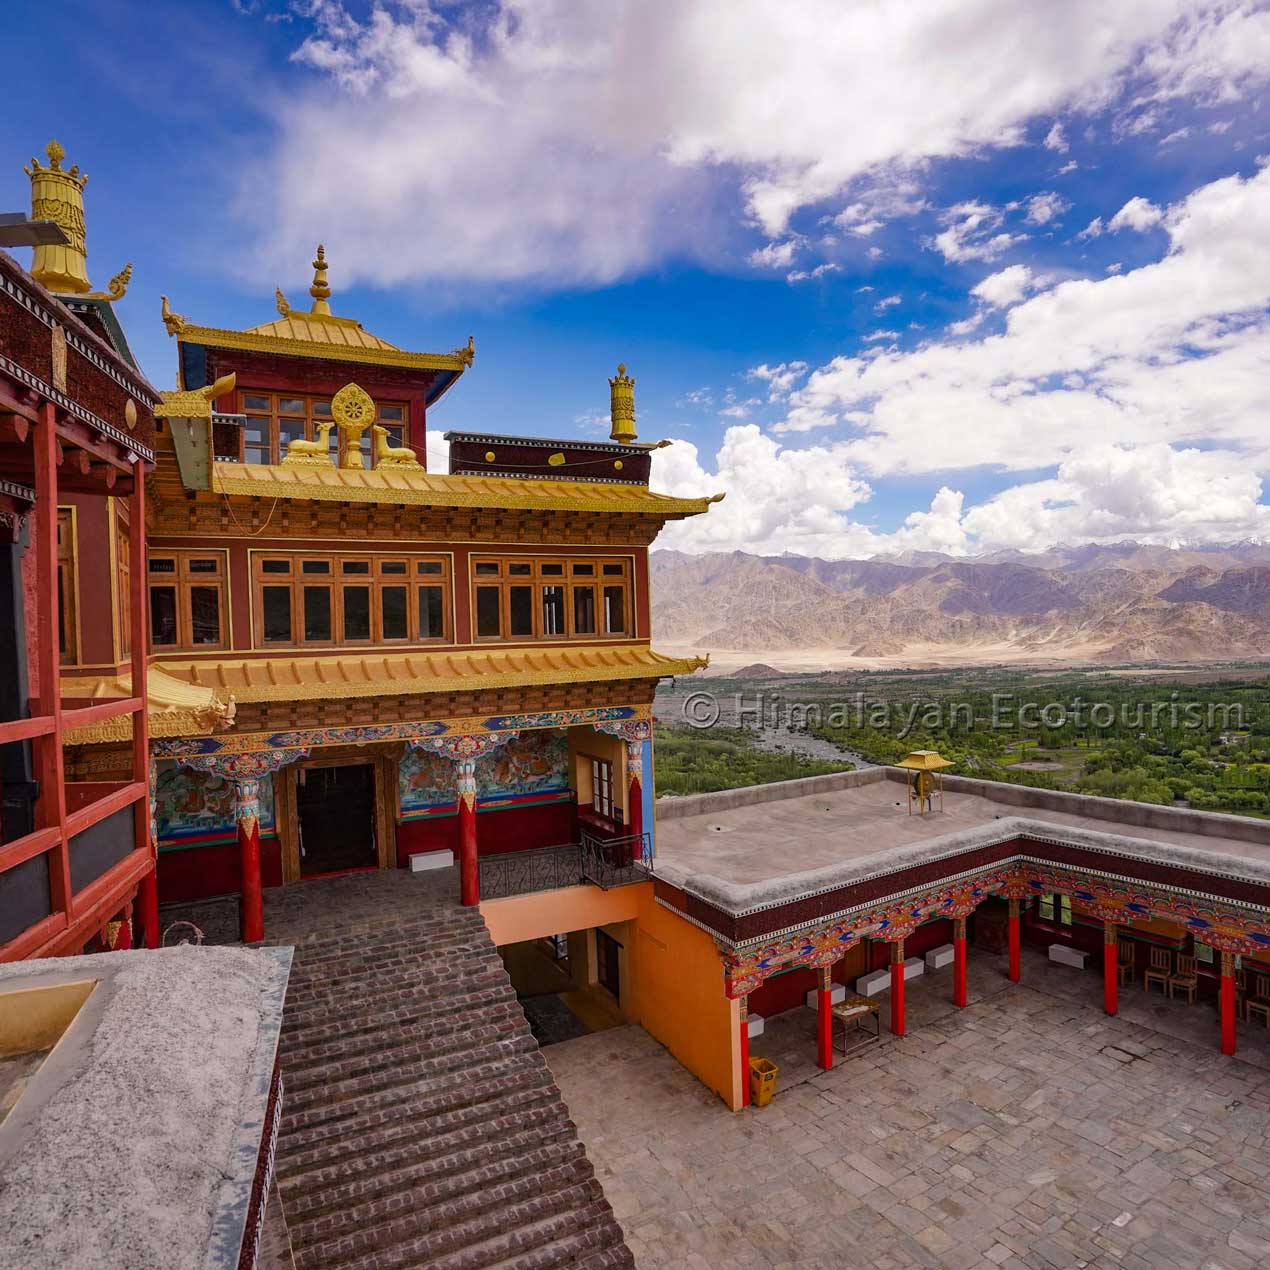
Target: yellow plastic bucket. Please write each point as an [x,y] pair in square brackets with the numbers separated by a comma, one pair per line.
[763,1073]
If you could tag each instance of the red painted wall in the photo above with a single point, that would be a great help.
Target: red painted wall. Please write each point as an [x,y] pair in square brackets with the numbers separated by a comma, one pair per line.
[512,829]
[196,873]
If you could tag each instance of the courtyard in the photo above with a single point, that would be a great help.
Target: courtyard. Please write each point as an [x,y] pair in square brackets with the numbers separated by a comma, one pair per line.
[1027,1130]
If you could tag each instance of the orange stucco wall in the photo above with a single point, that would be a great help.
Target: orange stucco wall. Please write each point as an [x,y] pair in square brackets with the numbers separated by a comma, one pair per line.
[674,975]
[680,998]
[521,917]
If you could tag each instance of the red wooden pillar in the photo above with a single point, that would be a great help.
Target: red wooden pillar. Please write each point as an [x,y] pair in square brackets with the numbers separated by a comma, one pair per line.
[142,767]
[1227,1003]
[635,798]
[247,815]
[469,870]
[897,987]
[744,1050]
[1110,981]
[959,962]
[50,806]
[824,1019]
[1015,943]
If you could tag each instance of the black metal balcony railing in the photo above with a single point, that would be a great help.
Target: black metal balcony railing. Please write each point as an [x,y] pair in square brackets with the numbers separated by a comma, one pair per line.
[604,862]
[611,862]
[523,872]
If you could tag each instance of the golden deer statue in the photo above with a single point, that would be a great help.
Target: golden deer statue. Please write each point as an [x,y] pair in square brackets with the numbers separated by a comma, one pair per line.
[311,453]
[397,456]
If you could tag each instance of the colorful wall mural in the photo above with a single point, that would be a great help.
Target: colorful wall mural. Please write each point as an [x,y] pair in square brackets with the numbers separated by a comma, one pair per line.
[532,768]
[198,805]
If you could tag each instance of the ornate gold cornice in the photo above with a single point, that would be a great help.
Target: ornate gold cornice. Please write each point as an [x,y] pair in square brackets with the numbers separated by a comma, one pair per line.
[399,486]
[306,677]
[253,342]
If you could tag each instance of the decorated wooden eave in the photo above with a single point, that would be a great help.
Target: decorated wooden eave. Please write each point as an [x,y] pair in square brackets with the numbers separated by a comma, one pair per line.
[177,707]
[415,673]
[102,408]
[315,333]
[402,486]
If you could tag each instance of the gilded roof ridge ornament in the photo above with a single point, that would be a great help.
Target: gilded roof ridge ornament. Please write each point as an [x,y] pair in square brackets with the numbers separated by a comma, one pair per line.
[622,406]
[116,287]
[320,290]
[284,305]
[467,351]
[57,195]
[56,154]
[174,322]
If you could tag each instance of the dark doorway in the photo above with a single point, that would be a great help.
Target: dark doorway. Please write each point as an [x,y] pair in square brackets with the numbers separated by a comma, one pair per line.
[336,810]
[607,963]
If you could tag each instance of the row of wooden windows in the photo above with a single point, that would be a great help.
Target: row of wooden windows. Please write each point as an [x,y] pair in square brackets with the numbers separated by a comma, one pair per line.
[274,419]
[525,598]
[333,600]
[338,600]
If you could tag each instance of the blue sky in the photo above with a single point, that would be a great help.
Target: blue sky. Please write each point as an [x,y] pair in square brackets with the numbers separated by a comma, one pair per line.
[957,276]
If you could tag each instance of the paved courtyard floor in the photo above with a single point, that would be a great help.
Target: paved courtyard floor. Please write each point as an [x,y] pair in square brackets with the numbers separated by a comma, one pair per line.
[1027,1130]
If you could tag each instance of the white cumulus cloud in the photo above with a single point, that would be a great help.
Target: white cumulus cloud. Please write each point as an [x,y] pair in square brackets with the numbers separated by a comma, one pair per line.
[1137,213]
[567,141]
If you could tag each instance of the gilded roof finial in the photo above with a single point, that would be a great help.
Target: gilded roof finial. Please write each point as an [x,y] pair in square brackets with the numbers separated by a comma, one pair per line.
[622,405]
[58,195]
[172,320]
[320,291]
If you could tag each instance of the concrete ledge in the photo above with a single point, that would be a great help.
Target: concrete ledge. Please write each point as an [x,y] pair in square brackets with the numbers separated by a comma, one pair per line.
[874,982]
[422,861]
[914,966]
[1066,955]
[1120,811]
[756,1025]
[837,992]
[676,808]
[940,957]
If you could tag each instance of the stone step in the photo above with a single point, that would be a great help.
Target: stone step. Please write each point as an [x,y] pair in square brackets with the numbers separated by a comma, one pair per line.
[441,1051]
[398,1028]
[317,1026]
[355,999]
[507,1220]
[458,1182]
[355,1086]
[395,1144]
[353,940]
[595,1247]
[454,1099]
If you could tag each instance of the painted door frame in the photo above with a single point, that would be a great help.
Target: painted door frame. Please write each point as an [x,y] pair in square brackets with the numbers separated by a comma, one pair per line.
[383,760]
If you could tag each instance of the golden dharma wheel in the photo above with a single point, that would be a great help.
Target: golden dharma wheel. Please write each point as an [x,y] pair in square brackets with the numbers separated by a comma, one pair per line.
[352,407]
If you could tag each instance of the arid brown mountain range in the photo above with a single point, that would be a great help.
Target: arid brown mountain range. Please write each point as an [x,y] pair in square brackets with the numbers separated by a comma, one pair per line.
[1123,603]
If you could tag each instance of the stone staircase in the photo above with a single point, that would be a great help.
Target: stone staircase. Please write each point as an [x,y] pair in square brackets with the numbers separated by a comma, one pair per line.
[421,1126]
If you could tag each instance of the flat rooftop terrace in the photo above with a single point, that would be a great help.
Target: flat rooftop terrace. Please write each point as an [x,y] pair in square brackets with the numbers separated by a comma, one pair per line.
[770,831]
[770,846]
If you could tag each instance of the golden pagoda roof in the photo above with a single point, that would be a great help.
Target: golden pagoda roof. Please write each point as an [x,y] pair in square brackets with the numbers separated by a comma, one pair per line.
[435,489]
[177,707]
[377,674]
[316,333]
[925,761]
